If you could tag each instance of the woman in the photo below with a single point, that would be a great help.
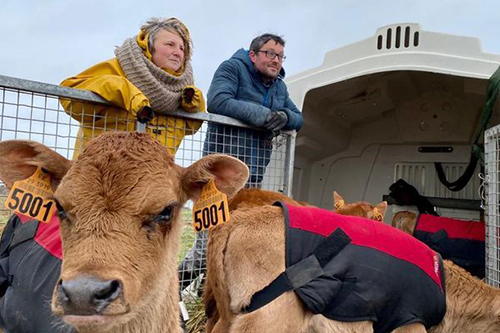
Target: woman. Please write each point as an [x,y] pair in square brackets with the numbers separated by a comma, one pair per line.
[151,71]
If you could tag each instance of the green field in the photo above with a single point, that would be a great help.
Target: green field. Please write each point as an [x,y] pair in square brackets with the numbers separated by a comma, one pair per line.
[188,234]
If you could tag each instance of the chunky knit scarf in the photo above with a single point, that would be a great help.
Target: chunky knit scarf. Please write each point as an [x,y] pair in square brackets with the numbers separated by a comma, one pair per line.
[161,88]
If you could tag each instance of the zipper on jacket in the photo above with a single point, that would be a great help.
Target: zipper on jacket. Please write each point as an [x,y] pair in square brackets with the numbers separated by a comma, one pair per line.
[265,97]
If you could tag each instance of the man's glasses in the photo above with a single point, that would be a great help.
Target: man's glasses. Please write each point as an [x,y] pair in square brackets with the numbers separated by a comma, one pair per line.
[271,55]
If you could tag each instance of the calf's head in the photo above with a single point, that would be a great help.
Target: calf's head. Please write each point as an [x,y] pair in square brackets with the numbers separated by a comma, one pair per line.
[359,208]
[405,220]
[119,206]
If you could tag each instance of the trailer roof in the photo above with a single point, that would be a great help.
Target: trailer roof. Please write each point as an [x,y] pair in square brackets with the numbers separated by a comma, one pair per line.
[398,47]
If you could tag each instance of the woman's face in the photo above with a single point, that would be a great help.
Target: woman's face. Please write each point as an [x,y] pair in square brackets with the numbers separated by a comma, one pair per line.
[169,50]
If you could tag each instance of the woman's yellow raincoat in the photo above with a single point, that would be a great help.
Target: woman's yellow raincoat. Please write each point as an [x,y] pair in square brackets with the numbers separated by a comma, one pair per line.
[107,79]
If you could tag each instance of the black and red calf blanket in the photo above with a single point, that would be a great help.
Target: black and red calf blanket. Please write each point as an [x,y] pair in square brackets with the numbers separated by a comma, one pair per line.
[457,240]
[352,269]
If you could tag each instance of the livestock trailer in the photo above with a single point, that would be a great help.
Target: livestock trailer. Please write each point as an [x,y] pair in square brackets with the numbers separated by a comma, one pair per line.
[387,108]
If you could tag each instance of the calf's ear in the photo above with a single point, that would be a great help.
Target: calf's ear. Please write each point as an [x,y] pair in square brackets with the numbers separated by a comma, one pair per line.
[19,159]
[338,201]
[382,208]
[229,173]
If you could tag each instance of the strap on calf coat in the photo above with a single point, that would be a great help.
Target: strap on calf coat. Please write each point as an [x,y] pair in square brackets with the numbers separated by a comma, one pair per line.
[302,272]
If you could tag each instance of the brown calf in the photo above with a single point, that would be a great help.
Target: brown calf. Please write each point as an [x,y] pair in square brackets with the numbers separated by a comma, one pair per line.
[119,205]
[248,198]
[405,221]
[245,198]
[472,305]
[254,197]
[359,208]
[246,254]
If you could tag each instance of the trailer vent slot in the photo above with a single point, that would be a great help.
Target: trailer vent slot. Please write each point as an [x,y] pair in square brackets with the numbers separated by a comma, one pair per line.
[407,36]
[389,37]
[398,37]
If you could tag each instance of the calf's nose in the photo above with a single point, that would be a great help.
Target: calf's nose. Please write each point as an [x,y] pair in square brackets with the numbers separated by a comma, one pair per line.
[87,295]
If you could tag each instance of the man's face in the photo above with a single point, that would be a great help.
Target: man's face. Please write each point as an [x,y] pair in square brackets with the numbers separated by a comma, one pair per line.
[268,68]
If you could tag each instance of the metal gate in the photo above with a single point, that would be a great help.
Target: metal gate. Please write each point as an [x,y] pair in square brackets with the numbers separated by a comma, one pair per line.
[58,116]
[492,204]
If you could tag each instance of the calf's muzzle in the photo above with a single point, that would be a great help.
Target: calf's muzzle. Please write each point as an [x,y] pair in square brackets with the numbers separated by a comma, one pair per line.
[87,295]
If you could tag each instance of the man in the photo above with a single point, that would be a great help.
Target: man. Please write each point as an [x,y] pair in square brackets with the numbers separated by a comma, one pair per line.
[249,87]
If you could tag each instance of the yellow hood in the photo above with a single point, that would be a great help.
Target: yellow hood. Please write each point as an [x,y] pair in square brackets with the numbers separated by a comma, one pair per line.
[142,41]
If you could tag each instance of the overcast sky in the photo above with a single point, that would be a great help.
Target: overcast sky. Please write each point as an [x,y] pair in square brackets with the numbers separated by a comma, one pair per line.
[49,40]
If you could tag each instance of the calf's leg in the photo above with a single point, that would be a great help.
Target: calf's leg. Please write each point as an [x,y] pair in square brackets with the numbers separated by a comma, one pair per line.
[321,324]
[411,328]
[285,314]
[221,326]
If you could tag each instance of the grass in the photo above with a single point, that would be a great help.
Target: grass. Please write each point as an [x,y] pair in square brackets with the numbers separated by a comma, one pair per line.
[194,303]
[197,318]
[188,233]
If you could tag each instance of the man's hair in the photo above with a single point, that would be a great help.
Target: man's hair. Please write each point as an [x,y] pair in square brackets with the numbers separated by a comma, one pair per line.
[257,42]
[174,25]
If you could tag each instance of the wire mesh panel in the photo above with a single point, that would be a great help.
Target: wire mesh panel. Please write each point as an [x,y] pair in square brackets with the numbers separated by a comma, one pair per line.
[65,120]
[492,166]
[32,116]
[268,159]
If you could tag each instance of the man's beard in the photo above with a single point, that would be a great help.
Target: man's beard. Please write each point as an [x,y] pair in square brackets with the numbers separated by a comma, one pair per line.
[266,78]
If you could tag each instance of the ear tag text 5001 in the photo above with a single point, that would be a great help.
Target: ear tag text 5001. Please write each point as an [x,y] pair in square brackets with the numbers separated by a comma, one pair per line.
[211,209]
[30,197]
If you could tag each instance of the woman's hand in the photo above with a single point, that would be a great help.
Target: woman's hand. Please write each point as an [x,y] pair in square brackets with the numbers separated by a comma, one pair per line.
[192,99]
[188,94]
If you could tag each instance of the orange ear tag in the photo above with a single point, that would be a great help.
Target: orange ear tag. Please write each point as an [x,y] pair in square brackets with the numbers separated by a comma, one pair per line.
[211,209]
[377,215]
[339,205]
[30,197]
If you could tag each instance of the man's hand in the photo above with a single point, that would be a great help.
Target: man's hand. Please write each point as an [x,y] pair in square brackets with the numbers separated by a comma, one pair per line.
[145,114]
[276,121]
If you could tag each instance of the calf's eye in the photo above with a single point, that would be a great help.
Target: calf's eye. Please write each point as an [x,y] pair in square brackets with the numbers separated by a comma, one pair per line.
[166,215]
[61,213]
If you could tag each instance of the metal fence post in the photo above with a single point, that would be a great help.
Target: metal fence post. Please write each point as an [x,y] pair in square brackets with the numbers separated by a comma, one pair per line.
[289,157]
[139,127]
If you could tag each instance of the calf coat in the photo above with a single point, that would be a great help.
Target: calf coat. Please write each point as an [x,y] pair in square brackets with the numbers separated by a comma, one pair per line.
[30,263]
[248,198]
[353,269]
[363,265]
[248,253]
[119,206]
[462,242]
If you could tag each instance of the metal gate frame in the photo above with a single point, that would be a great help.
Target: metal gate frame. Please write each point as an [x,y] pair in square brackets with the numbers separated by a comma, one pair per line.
[492,204]
[32,110]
